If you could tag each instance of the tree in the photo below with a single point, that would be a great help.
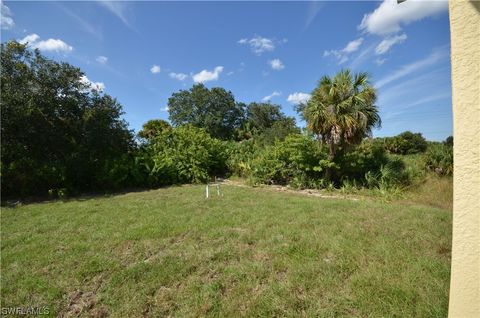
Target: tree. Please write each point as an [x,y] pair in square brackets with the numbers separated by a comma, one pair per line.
[268,123]
[449,141]
[342,110]
[153,128]
[214,109]
[56,130]
[406,143]
[263,115]
[184,154]
[279,131]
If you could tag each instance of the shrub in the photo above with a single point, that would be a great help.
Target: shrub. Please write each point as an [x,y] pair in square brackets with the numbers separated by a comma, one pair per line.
[439,159]
[298,161]
[279,130]
[122,172]
[406,143]
[369,156]
[240,155]
[391,175]
[182,155]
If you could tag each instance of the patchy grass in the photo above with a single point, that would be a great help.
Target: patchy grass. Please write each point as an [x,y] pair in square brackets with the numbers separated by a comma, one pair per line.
[434,191]
[253,252]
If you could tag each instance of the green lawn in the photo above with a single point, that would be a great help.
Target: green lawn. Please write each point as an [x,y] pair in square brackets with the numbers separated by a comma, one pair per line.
[253,252]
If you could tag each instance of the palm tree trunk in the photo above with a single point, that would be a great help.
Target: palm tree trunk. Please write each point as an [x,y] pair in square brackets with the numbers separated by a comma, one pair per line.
[331,156]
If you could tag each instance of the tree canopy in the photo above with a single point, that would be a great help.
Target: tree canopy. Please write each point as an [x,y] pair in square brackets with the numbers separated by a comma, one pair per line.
[406,143]
[342,109]
[214,109]
[153,128]
[56,130]
[269,123]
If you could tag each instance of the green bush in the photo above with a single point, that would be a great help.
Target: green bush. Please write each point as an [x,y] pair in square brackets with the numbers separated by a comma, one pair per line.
[240,155]
[58,193]
[123,172]
[298,161]
[406,143]
[279,130]
[391,175]
[439,159]
[370,166]
[183,155]
[369,156]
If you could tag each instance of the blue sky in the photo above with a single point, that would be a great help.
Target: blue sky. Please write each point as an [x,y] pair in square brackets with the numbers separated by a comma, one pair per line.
[142,52]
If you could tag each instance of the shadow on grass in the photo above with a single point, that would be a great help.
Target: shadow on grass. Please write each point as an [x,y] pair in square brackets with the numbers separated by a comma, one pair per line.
[79,196]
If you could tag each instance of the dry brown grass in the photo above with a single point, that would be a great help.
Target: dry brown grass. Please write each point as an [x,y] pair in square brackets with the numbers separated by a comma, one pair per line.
[435,191]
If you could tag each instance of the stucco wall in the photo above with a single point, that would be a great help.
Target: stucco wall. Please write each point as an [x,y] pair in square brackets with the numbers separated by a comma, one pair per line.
[465,48]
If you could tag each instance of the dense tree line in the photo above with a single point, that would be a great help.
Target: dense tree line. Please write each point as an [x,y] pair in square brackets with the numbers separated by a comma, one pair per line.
[61,135]
[57,132]
[216,111]
[406,143]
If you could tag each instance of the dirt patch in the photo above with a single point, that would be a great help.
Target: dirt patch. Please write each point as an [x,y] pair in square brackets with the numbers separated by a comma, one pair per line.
[126,252]
[81,302]
[444,250]
[307,192]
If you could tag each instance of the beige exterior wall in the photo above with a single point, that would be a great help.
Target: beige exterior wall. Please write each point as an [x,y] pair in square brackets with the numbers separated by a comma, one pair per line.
[465,46]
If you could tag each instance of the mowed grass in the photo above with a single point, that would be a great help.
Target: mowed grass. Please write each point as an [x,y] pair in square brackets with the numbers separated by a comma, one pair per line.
[252,252]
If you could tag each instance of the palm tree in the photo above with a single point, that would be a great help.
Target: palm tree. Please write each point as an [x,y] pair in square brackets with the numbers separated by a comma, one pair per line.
[342,110]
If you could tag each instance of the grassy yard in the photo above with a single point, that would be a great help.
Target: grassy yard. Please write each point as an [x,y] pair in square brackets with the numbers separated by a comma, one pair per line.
[253,252]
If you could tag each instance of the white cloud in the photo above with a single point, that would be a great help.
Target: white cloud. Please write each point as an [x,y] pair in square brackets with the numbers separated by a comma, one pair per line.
[178,76]
[352,46]
[83,23]
[102,59]
[118,8]
[31,38]
[416,85]
[389,16]
[313,9]
[388,42]
[205,76]
[259,44]
[415,90]
[164,109]
[380,61]
[99,86]
[436,56]
[298,98]
[6,17]
[361,57]
[269,97]
[155,69]
[342,55]
[230,73]
[55,45]
[431,98]
[242,67]
[276,64]
[343,59]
